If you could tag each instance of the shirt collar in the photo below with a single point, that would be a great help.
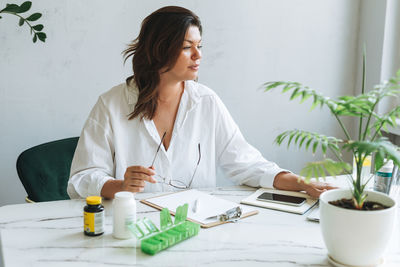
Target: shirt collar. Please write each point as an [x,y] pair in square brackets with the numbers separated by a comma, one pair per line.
[132,93]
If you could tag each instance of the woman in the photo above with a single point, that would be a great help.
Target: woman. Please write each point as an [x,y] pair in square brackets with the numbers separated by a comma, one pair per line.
[161,130]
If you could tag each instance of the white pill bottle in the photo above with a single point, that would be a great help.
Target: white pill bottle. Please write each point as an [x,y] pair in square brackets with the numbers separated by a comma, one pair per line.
[124,213]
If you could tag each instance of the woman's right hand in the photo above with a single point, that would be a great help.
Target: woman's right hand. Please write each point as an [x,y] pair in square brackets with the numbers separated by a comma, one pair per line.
[135,178]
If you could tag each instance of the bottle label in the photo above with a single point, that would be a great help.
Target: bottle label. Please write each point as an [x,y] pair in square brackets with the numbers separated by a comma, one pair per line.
[129,219]
[384,174]
[93,222]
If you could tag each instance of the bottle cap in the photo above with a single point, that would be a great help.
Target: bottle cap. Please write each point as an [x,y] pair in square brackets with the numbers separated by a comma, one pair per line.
[93,200]
[367,161]
[124,195]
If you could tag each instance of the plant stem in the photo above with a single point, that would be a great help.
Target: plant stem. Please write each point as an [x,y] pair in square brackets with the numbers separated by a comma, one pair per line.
[26,21]
[339,158]
[377,131]
[341,125]
[369,119]
[344,128]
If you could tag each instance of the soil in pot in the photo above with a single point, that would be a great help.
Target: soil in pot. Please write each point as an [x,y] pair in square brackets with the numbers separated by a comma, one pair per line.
[347,203]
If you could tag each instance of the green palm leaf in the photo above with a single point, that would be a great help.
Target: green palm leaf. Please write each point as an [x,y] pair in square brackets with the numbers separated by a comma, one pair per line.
[301,91]
[381,121]
[309,138]
[320,169]
[382,148]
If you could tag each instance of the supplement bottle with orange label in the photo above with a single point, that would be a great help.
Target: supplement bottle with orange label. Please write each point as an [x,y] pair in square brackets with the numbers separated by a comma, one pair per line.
[93,216]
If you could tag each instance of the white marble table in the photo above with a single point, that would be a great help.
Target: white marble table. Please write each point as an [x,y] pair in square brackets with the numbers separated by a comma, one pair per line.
[50,234]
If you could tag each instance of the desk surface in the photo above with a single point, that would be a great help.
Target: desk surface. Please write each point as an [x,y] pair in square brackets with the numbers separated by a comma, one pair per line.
[50,234]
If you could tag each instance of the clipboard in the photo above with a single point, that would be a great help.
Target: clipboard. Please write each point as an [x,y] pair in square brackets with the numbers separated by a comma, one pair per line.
[208,206]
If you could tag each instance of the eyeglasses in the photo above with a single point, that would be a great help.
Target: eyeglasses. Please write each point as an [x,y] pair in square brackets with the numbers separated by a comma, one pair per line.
[175,183]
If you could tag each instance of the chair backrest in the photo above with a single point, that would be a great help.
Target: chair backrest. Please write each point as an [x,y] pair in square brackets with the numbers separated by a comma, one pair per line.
[44,169]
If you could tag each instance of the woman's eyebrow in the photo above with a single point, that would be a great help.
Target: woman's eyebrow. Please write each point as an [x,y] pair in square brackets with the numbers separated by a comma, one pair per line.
[190,41]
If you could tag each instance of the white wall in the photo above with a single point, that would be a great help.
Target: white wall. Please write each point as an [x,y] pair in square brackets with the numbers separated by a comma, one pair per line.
[391,53]
[47,90]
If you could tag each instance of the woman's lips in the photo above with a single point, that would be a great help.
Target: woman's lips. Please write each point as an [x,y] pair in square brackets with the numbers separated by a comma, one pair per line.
[194,67]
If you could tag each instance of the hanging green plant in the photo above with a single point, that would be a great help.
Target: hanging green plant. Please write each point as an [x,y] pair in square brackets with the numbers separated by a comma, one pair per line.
[16,10]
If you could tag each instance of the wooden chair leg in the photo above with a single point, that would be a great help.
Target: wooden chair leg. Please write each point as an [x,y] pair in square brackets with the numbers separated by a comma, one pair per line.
[28,200]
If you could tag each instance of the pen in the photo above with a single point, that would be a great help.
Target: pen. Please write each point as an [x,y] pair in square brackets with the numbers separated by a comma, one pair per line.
[158,149]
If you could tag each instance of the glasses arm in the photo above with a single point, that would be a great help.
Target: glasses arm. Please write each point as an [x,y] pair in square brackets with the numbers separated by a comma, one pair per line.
[198,162]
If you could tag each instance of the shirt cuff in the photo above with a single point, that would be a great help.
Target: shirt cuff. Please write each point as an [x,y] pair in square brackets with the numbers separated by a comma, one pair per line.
[268,180]
[98,185]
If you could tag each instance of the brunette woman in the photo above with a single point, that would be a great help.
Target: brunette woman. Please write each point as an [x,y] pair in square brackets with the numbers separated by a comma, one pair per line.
[161,130]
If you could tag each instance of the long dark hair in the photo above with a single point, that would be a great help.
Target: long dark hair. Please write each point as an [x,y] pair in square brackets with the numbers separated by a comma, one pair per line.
[158,46]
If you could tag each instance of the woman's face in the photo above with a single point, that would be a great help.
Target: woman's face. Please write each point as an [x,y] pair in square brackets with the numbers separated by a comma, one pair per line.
[188,62]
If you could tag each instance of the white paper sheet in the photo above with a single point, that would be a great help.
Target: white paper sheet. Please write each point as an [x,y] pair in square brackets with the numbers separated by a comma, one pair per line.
[208,205]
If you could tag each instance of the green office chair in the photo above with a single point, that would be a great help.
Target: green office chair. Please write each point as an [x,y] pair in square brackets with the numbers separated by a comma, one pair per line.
[44,169]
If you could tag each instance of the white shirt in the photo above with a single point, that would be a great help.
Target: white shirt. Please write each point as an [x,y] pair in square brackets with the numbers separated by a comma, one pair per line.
[109,143]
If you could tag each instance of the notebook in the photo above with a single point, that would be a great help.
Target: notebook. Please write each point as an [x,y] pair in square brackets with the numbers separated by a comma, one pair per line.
[252,200]
[207,206]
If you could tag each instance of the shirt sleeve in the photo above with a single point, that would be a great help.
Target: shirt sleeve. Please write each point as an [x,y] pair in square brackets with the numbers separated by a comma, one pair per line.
[93,161]
[243,163]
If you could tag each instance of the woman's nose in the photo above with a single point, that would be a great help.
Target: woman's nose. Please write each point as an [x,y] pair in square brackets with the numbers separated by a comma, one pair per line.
[196,54]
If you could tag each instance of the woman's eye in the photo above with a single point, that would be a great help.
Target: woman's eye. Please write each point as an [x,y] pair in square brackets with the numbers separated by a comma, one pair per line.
[186,47]
[199,47]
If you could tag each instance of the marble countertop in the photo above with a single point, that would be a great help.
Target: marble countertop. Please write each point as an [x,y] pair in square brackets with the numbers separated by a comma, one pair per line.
[51,234]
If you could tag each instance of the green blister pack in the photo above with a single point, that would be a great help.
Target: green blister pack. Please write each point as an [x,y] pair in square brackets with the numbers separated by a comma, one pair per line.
[152,240]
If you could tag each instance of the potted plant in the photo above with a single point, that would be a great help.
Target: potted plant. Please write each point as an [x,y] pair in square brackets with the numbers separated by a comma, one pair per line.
[356,224]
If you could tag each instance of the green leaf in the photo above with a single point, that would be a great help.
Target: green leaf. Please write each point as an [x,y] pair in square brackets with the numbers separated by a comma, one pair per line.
[13,8]
[302,140]
[382,147]
[38,27]
[393,119]
[297,137]
[379,159]
[295,93]
[287,87]
[280,138]
[42,36]
[272,85]
[315,103]
[300,136]
[21,22]
[309,142]
[25,7]
[384,126]
[315,145]
[34,17]
[324,145]
[290,138]
[319,169]
[35,38]
[305,96]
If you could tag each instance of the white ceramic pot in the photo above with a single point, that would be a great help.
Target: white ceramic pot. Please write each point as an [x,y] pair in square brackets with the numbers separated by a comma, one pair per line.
[354,237]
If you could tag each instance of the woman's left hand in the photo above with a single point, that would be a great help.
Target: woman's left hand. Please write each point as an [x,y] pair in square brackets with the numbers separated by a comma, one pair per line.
[315,189]
[292,182]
